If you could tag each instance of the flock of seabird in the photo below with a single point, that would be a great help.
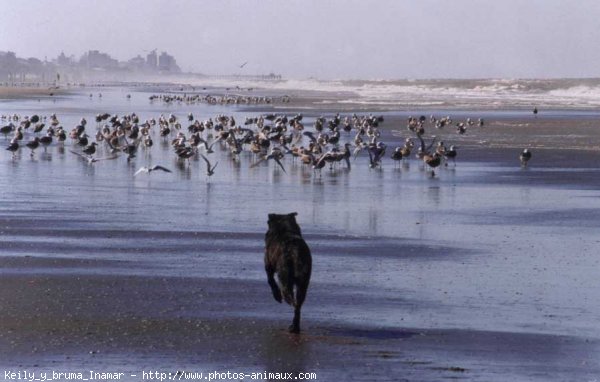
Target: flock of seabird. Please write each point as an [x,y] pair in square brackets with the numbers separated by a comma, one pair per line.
[269,137]
[227,99]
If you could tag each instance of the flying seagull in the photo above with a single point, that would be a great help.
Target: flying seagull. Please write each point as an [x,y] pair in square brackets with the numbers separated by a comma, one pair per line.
[244,64]
[90,159]
[148,170]
[210,170]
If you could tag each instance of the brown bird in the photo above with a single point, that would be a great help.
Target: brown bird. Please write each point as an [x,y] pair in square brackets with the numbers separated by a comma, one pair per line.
[433,161]
[46,140]
[397,154]
[34,144]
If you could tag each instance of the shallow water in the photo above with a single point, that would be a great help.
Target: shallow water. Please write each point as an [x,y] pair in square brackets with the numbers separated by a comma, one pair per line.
[485,246]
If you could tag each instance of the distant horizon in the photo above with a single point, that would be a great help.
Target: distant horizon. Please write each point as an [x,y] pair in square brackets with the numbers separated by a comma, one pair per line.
[183,72]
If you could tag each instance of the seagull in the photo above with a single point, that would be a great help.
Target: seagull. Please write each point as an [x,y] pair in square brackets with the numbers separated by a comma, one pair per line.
[450,154]
[92,160]
[83,140]
[61,135]
[6,130]
[91,149]
[397,154]
[376,153]
[38,127]
[13,147]
[275,155]
[148,170]
[207,147]
[47,140]
[210,170]
[244,64]
[34,144]
[130,150]
[525,157]
[433,161]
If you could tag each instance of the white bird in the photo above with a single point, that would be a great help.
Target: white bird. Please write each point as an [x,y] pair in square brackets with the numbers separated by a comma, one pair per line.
[148,170]
[92,160]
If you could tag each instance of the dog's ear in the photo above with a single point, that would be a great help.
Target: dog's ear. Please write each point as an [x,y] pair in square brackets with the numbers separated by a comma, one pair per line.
[271,222]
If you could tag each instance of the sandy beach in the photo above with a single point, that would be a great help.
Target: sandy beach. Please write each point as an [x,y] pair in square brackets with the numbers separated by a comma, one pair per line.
[58,316]
[24,92]
[484,273]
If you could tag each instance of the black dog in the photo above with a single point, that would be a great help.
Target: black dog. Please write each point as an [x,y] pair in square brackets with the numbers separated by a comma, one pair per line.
[287,254]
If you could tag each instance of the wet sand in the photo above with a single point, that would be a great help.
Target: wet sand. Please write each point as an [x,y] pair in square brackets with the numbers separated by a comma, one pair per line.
[20,92]
[56,318]
[486,272]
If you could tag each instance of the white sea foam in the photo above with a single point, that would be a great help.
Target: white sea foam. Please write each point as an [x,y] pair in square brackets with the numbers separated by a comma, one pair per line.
[490,93]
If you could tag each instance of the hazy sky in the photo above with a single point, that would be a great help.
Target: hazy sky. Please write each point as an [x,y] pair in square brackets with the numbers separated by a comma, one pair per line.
[324,39]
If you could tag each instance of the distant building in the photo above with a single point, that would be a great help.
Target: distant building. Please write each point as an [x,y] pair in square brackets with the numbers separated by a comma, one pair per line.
[9,66]
[167,63]
[92,64]
[63,60]
[136,63]
[152,60]
[93,59]
[34,65]
[8,60]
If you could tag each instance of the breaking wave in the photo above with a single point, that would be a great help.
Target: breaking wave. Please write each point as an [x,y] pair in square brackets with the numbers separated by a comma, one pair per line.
[557,93]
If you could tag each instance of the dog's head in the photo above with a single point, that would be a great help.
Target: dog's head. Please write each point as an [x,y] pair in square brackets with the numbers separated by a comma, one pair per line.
[285,223]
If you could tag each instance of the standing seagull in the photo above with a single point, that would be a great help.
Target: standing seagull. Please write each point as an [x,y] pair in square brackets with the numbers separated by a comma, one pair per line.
[6,130]
[46,140]
[450,154]
[432,161]
[130,150]
[13,147]
[91,149]
[525,157]
[210,170]
[148,170]
[34,144]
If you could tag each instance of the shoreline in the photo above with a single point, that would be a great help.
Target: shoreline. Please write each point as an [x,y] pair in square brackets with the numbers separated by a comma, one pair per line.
[349,96]
[20,92]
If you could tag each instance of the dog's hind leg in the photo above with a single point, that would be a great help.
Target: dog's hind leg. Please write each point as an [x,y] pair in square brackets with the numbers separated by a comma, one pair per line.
[301,289]
[273,284]
[285,275]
